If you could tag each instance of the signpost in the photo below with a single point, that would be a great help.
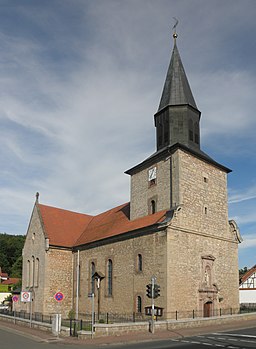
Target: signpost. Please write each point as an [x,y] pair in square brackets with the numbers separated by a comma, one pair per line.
[26,297]
[56,326]
[153,291]
[59,296]
[15,299]
[91,295]
[153,280]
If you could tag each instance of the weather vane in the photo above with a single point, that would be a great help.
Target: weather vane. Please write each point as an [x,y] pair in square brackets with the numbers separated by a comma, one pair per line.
[175,35]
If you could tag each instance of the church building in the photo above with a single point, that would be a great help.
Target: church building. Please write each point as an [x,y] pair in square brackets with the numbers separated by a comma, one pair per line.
[175,228]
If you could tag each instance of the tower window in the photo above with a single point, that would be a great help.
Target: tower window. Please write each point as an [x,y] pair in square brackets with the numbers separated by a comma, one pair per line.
[139,262]
[190,127]
[196,131]
[205,210]
[153,206]
[166,128]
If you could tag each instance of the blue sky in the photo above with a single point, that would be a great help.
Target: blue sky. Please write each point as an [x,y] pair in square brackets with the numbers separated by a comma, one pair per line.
[81,80]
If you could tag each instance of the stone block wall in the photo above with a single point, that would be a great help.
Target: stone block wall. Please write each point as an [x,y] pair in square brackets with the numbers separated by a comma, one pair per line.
[128,281]
[142,192]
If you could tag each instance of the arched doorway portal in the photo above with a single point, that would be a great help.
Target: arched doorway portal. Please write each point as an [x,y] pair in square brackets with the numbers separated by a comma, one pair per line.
[207,309]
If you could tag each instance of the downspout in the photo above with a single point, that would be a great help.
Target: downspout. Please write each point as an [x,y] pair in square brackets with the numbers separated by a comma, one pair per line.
[77,284]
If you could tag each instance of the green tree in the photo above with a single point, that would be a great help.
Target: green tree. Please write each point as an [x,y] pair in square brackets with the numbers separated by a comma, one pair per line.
[10,251]
[16,269]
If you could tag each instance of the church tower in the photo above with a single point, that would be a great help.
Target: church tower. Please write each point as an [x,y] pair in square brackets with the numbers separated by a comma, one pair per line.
[156,182]
[177,119]
[201,244]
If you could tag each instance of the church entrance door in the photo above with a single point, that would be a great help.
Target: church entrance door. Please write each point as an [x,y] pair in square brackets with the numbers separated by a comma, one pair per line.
[207,309]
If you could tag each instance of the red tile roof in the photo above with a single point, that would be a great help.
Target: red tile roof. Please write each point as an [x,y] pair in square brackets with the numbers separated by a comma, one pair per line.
[63,227]
[68,229]
[248,274]
[10,281]
[4,275]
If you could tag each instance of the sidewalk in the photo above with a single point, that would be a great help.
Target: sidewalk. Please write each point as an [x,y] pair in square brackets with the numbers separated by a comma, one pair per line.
[42,336]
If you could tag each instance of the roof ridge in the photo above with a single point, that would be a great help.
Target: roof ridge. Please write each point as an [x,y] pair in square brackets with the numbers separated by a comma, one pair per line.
[63,209]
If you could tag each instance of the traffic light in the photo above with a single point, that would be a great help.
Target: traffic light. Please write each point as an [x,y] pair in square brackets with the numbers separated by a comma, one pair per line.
[156,291]
[149,290]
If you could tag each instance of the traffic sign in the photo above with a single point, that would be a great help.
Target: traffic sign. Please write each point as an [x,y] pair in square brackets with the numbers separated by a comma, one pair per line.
[15,298]
[26,296]
[59,296]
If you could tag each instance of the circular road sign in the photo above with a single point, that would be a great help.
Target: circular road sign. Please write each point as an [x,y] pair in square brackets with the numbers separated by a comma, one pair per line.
[15,298]
[59,296]
[26,296]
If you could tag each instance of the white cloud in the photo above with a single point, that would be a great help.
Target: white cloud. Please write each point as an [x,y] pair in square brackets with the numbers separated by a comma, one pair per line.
[244,195]
[79,87]
[248,242]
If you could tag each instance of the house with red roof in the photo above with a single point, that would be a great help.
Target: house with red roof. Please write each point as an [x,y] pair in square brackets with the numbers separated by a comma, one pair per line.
[6,285]
[174,232]
[247,288]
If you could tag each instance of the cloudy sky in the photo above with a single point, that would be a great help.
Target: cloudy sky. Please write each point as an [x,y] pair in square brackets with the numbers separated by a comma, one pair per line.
[80,81]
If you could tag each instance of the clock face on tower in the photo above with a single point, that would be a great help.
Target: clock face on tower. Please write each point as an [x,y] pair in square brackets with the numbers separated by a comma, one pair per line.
[152,173]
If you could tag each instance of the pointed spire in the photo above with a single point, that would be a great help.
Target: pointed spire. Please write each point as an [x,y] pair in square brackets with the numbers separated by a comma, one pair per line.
[176,89]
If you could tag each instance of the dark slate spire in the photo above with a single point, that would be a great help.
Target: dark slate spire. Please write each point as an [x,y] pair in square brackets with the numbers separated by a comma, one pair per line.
[176,88]
[177,119]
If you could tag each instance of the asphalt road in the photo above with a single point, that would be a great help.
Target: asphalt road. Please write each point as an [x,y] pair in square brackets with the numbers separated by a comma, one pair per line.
[240,339]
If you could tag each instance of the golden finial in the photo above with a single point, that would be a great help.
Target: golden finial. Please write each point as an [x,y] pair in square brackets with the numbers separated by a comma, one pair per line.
[175,35]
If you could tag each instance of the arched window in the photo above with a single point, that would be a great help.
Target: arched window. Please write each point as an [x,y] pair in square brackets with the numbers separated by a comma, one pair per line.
[153,206]
[92,277]
[110,277]
[139,262]
[190,130]
[37,273]
[196,132]
[28,273]
[139,304]
[32,283]
[166,128]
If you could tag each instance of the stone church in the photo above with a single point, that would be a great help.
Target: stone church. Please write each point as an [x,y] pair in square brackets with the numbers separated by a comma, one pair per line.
[174,228]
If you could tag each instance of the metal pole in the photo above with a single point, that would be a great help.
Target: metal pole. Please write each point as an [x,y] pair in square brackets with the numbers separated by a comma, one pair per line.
[153,304]
[30,312]
[99,300]
[92,315]
[77,284]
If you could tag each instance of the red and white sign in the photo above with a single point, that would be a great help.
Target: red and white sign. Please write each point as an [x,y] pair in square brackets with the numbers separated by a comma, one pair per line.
[15,299]
[25,296]
[59,296]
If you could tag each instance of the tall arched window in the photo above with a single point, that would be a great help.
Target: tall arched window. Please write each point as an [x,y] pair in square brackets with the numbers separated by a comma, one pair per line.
[153,206]
[190,130]
[37,273]
[92,277]
[196,132]
[139,304]
[28,273]
[33,272]
[139,262]
[110,277]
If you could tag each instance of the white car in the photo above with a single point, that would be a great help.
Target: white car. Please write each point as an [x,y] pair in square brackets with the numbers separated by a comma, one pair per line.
[4,307]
